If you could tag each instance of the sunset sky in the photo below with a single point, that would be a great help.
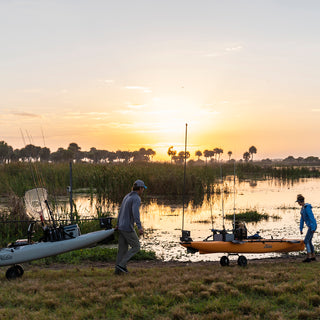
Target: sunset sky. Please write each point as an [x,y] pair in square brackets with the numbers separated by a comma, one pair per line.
[126,74]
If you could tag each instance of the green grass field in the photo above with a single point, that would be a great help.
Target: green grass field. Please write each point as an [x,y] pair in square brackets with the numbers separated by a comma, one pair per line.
[262,290]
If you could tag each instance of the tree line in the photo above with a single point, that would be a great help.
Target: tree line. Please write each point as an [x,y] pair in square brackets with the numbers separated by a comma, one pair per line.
[72,153]
[212,155]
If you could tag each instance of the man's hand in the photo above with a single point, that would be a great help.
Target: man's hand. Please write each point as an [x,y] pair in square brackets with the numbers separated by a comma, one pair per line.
[301,232]
[141,231]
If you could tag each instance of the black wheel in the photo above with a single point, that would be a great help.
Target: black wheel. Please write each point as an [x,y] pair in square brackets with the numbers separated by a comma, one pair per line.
[224,261]
[14,272]
[20,270]
[242,261]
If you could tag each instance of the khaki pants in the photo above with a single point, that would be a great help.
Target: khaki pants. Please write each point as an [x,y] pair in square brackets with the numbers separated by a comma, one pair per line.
[127,239]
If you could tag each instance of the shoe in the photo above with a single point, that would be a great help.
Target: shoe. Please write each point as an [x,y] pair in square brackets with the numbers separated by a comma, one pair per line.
[122,269]
[117,271]
[307,260]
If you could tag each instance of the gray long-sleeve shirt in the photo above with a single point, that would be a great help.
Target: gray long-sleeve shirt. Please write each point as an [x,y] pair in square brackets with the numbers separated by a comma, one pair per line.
[129,212]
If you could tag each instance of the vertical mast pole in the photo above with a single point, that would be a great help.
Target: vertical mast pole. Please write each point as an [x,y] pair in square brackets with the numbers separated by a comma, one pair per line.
[184,175]
[234,195]
[70,191]
[222,200]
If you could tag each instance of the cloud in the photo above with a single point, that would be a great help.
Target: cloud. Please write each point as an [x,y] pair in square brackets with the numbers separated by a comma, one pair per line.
[315,110]
[224,51]
[136,106]
[139,88]
[235,48]
[26,115]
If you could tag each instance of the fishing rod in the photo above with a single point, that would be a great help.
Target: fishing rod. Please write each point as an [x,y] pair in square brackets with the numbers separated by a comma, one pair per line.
[222,200]
[184,175]
[234,195]
[34,181]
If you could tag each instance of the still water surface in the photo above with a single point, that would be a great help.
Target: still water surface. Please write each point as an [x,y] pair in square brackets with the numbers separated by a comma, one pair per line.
[162,219]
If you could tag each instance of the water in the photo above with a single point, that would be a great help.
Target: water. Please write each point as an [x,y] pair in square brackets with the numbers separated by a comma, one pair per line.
[162,219]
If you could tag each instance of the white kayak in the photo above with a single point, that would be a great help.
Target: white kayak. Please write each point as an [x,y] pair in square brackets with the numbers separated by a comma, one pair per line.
[38,250]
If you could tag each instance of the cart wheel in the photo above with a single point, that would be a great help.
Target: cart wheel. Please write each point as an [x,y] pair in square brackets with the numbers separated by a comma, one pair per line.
[20,269]
[14,272]
[242,261]
[224,261]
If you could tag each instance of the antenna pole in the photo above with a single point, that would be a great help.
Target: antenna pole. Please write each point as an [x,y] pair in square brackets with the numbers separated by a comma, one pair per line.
[70,191]
[234,195]
[184,174]
[222,200]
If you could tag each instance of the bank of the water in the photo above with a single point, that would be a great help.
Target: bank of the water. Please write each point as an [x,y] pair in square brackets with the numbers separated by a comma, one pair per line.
[274,289]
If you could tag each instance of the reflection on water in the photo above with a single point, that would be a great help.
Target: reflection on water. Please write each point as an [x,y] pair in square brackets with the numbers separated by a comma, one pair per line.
[162,218]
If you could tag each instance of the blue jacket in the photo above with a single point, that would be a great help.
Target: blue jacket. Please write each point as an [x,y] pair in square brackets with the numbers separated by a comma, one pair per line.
[129,212]
[307,217]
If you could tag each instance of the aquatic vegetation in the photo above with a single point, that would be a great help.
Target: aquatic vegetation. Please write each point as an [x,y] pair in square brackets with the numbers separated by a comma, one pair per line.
[110,181]
[249,216]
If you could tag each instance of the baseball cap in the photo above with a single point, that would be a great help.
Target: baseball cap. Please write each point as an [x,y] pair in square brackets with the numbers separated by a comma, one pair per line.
[300,198]
[139,184]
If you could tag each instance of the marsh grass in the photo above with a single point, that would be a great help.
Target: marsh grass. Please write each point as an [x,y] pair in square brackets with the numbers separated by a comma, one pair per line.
[250,216]
[111,181]
[260,291]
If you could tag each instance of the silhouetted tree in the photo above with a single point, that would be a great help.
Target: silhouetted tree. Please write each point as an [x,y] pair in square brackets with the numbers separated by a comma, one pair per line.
[5,152]
[252,150]
[143,154]
[218,152]
[229,154]
[181,157]
[150,153]
[75,151]
[44,154]
[198,154]
[208,154]
[171,153]
[62,155]
[246,156]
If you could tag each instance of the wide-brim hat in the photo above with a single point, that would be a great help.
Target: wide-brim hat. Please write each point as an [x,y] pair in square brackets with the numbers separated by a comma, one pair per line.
[300,198]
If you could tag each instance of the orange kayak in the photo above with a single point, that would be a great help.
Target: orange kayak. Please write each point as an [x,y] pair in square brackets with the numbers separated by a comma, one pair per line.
[244,246]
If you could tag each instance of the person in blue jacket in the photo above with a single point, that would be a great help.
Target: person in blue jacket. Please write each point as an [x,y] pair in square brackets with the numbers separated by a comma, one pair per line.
[129,215]
[307,218]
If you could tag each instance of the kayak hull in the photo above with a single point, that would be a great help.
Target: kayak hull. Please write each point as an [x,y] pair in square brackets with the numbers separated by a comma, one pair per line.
[245,246]
[39,250]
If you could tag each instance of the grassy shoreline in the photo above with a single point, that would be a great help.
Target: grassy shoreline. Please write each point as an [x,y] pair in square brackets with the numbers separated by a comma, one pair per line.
[272,290]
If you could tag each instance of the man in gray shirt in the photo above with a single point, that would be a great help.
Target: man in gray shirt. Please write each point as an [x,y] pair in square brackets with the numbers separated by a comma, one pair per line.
[128,215]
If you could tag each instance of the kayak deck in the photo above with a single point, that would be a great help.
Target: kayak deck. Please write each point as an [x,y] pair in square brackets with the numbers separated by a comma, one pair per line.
[244,246]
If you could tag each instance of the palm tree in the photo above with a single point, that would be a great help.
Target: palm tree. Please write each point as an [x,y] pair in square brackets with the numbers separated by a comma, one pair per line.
[218,151]
[252,150]
[207,154]
[198,154]
[246,156]
[229,154]
[182,156]
[171,152]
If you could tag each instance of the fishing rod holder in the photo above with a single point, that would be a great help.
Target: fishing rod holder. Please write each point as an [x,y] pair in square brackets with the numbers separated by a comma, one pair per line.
[185,236]
[222,235]
[106,223]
